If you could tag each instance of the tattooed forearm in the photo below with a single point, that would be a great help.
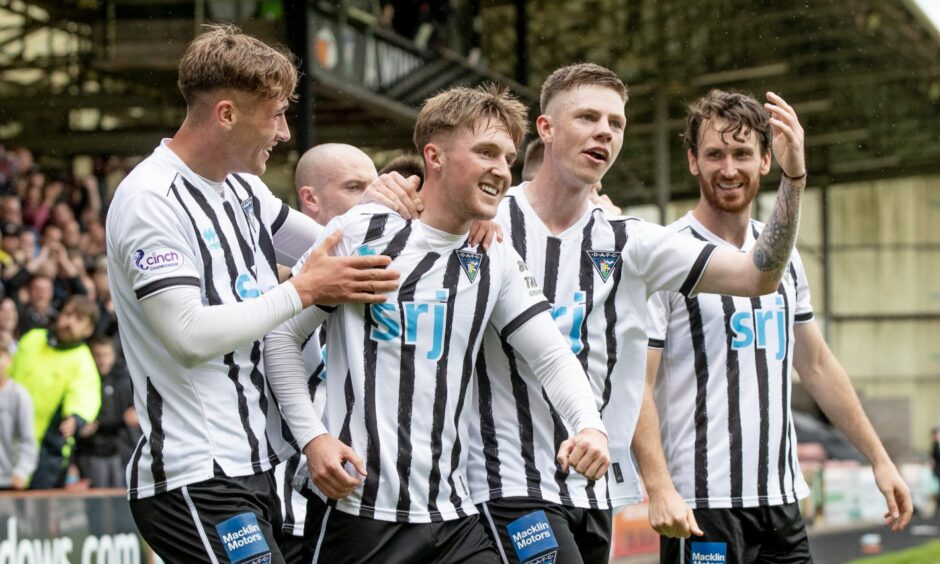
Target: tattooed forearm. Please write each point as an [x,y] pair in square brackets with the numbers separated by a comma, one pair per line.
[772,250]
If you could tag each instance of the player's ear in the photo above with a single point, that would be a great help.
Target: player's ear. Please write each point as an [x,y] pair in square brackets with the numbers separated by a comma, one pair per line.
[543,126]
[308,199]
[765,160]
[224,113]
[433,157]
[693,163]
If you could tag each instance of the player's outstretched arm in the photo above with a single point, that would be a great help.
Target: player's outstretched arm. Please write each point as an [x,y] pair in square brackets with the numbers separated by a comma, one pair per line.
[759,271]
[330,280]
[669,515]
[828,384]
[545,350]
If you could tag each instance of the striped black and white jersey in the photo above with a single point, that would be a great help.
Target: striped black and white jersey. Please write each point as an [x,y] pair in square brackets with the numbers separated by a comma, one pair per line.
[597,276]
[168,227]
[293,504]
[401,373]
[723,388]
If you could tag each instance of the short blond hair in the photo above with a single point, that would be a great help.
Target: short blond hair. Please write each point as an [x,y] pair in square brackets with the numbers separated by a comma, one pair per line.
[464,107]
[224,57]
[580,74]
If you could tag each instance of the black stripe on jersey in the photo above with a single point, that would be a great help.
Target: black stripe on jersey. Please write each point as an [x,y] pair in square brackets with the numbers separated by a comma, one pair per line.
[207,210]
[164,283]
[803,317]
[483,296]
[520,393]
[701,414]
[280,219]
[345,432]
[656,344]
[552,258]
[370,489]
[155,414]
[135,464]
[488,426]
[451,278]
[610,312]
[406,388]
[586,283]
[763,396]
[517,226]
[785,403]
[264,238]
[229,360]
[697,269]
[559,435]
[376,227]
[290,468]
[524,318]
[733,375]
[248,254]
[212,295]
[257,380]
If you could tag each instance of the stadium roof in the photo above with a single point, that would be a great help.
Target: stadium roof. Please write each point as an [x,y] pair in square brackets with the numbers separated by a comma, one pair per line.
[98,77]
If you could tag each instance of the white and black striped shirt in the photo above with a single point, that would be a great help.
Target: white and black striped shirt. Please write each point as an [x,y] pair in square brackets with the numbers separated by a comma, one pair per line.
[400,382]
[597,275]
[723,389]
[168,227]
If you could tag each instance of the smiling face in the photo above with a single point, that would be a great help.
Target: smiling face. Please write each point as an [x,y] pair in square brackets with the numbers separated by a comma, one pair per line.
[583,132]
[259,123]
[474,170]
[728,169]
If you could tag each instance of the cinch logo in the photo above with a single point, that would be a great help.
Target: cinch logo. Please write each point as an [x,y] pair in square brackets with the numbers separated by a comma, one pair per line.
[577,311]
[751,329]
[159,260]
[419,318]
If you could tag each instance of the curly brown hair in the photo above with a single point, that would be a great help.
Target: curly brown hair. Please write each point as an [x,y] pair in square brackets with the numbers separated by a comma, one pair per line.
[740,112]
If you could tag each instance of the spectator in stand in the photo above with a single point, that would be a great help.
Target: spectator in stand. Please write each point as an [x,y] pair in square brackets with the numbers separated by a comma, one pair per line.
[9,320]
[104,445]
[57,369]
[36,207]
[10,210]
[37,310]
[107,321]
[17,438]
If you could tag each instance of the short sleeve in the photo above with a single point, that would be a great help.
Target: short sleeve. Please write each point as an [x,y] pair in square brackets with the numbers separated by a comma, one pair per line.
[152,245]
[519,297]
[658,310]
[804,304]
[665,259]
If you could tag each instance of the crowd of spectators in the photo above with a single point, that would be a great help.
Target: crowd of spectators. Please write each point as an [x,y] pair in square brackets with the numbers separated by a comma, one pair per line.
[55,304]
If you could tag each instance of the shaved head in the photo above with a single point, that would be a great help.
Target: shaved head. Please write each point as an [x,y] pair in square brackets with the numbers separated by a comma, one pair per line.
[330,178]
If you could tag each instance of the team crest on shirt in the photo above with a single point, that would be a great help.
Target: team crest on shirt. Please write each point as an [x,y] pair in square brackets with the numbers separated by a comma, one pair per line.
[604,262]
[248,206]
[470,262]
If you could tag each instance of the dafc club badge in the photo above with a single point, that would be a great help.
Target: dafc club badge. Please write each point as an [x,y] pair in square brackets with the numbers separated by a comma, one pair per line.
[604,262]
[533,539]
[709,553]
[243,540]
[470,262]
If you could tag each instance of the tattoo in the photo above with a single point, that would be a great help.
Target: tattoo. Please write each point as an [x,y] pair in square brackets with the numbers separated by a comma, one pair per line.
[772,250]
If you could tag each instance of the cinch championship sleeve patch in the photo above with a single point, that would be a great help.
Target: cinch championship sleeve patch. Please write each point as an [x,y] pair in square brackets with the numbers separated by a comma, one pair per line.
[243,540]
[533,539]
[709,552]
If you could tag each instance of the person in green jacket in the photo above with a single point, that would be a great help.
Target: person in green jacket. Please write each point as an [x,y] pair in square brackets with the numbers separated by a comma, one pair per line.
[58,370]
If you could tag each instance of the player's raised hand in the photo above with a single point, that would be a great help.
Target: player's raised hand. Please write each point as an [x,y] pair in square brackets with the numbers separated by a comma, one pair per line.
[396,192]
[788,142]
[670,516]
[483,232]
[586,452]
[326,459]
[329,280]
[897,495]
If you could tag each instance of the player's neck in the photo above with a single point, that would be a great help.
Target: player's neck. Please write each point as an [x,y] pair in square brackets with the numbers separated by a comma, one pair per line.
[730,226]
[199,153]
[439,213]
[558,204]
